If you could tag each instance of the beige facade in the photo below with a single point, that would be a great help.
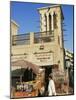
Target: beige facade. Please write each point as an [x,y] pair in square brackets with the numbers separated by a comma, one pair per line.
[69,56]
[14,28]
[44,48]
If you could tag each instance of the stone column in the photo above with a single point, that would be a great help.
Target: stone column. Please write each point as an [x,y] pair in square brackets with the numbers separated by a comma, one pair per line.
[47,21]
[44,20]
[52,23]
[43,23]
[40,23]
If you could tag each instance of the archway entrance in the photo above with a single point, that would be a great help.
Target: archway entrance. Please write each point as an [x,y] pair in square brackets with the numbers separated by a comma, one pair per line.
[48,71]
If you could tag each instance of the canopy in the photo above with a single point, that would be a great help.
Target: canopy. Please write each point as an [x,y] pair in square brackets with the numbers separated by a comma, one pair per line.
[26,64]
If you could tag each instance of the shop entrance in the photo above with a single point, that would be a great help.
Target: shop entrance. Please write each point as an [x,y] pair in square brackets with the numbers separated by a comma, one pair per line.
[48,71]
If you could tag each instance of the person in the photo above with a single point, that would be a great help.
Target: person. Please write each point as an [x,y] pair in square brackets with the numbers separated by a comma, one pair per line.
[51,87]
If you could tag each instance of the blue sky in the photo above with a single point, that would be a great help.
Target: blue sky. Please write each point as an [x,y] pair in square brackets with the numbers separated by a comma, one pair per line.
[27,16]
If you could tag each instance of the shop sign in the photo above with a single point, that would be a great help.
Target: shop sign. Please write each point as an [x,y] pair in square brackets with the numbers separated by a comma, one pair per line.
[43,58]
[24,87]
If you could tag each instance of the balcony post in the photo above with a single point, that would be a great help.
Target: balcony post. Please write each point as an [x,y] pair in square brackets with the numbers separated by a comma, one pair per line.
[13,40]
[31,38]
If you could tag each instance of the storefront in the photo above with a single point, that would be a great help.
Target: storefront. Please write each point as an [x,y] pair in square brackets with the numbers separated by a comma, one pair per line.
[26,81]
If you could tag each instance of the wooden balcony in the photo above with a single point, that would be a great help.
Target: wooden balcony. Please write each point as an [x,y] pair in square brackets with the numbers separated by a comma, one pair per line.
[38,37]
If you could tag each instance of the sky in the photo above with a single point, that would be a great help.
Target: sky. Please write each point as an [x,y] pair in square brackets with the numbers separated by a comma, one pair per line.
[26,15]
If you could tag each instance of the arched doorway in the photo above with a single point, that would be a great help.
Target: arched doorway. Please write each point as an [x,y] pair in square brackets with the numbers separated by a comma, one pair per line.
[48,71]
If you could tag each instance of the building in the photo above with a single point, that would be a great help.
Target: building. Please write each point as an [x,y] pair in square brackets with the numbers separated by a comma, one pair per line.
[45,48]
[69,60]
[69,56]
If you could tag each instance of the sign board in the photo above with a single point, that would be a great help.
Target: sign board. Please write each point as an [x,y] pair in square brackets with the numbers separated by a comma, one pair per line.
[43,58]
[24,87]
[38,58]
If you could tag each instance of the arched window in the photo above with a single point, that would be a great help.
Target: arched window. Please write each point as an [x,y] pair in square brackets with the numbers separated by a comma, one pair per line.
[58,40]
[49,22]
[55,20]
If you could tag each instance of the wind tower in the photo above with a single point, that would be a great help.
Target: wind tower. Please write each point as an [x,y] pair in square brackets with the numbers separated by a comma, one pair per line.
[51,19]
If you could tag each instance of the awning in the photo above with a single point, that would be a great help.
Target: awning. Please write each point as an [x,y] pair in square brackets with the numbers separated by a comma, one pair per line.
[26,64]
